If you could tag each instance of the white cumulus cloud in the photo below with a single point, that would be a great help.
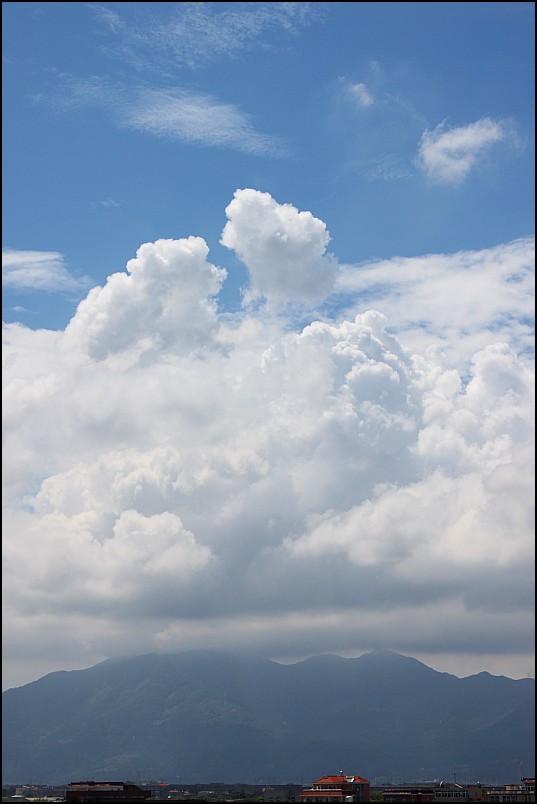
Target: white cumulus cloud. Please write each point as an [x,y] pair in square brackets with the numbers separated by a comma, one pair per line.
[458,303]
[175,477]
[165,300]
[283,248]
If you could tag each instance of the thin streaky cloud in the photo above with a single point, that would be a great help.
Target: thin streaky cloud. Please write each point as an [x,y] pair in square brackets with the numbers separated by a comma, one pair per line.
[109,203]
[191,34]
[390,167]
[39,270]
[447,155]
[105,15]
[197,118]
[174,113]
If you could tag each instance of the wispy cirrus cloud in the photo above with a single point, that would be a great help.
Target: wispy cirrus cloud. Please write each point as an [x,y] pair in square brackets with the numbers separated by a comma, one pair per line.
[390,167]
[447,155]
[202,119]
[39,270]
[163,47]
[110,19]
[188,35]
[175,113]
[108,203]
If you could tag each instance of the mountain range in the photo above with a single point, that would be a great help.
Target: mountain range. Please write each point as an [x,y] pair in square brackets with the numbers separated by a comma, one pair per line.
[202,716]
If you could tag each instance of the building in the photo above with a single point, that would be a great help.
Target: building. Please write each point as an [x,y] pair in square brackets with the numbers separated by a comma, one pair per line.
[519,793]
[105,791]
[338,788]
[443,793]
[408,794]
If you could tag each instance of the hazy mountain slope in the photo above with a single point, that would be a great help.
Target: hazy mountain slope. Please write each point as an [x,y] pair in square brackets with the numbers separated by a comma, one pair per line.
[204,715]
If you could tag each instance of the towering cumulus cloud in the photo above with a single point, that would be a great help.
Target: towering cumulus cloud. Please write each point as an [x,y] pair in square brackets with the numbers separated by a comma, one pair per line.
[283,249]
[177,478]
[165,301]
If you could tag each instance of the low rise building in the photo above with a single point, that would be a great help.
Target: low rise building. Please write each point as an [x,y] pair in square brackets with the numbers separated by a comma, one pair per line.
[408,794]
[442,793]
[105,791]
[338,788]
[514,793]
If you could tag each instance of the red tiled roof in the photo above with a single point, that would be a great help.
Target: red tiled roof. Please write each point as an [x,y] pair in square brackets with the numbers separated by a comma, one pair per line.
[339,779]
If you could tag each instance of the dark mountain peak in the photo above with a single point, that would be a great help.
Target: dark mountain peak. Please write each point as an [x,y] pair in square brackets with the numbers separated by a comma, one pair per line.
[187,658]
[210,714]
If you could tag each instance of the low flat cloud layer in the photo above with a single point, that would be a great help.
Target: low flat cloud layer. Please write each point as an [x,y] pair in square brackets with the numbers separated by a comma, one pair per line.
[176,477]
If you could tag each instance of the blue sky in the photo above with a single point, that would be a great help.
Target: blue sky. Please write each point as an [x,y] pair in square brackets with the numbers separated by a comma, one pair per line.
[268,309]
[110,137]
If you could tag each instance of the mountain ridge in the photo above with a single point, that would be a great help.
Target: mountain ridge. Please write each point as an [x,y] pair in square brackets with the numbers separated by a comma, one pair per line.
[215,653]
[236,716]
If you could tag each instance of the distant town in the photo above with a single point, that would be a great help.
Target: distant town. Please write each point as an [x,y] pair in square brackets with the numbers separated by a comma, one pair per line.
[336,788]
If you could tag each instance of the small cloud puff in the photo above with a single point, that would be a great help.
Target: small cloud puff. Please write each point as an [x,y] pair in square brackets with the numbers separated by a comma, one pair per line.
[361,95]
[446,155]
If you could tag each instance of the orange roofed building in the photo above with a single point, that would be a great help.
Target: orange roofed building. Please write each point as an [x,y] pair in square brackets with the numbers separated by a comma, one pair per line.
[338,788]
